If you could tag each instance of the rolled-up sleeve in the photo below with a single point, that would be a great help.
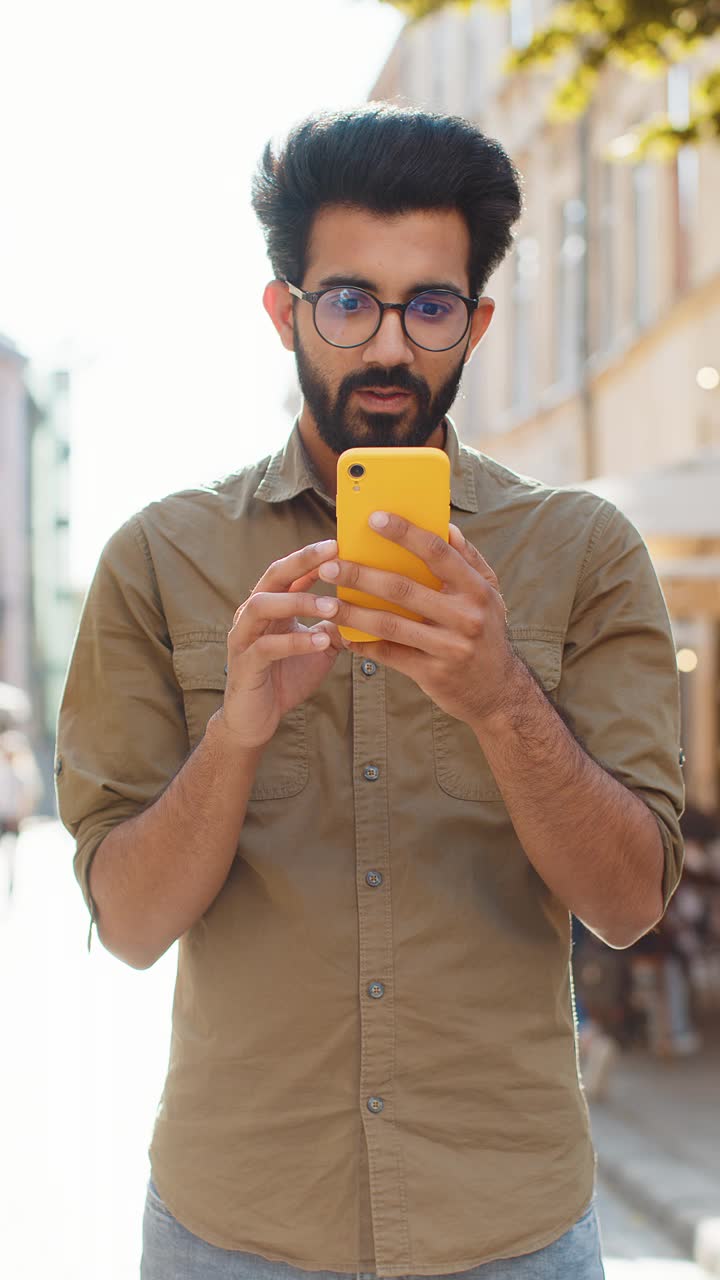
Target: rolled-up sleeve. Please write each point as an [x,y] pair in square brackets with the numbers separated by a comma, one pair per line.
[619,683]
[121,728]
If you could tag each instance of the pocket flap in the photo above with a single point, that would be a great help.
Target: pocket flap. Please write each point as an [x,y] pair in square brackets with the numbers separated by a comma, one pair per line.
[541,651]
[461,767]
[200,664]
[199,661]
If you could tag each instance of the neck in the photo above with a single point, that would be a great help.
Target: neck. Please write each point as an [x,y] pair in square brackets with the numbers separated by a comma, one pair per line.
[324,460]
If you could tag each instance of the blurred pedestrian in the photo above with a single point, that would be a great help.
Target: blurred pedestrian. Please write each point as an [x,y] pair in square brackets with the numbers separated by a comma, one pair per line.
[661,991]
[663,961]
[690,923]
[20,790]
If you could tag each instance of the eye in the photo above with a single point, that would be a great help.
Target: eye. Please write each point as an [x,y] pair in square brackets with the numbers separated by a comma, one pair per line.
[429,306]
[349,301]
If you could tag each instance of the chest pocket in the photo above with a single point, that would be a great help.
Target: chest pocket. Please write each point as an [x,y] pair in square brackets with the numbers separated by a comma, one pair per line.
[200,670]
[461,768]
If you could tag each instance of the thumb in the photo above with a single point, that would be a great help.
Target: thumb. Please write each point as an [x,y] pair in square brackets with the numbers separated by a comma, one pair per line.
[337,644]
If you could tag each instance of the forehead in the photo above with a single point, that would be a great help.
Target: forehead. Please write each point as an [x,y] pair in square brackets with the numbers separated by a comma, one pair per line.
[393,252]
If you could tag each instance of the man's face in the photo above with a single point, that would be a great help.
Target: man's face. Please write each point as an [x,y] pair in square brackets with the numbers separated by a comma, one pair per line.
[387,391]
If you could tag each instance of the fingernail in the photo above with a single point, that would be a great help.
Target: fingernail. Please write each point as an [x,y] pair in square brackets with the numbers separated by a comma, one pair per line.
[329,571]
[329,545]
[320,638]
[379,519]
[325,604]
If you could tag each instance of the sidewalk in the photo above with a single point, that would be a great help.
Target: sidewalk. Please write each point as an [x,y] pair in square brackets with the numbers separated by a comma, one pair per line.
[657,1136]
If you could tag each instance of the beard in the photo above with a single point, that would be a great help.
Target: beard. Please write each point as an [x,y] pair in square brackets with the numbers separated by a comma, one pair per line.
[341,427]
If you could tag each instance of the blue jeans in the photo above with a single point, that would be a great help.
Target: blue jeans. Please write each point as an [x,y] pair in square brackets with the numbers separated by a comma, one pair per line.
[172,1253]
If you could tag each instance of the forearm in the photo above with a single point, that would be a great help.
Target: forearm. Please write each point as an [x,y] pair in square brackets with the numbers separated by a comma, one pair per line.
[156,874]
[595,845]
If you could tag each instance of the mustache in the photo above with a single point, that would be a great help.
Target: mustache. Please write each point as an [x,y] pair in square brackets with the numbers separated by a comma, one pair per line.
[399,378]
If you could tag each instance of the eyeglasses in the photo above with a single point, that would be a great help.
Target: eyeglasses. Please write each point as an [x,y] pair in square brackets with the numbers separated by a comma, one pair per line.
[348,317]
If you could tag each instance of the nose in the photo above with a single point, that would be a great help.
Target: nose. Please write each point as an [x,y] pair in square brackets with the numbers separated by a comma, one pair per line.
[390,346]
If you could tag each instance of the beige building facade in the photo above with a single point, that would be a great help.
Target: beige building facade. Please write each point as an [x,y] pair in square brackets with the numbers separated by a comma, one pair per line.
[602,363]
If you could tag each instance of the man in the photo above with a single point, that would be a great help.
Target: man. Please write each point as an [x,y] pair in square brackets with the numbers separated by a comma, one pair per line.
[369,853]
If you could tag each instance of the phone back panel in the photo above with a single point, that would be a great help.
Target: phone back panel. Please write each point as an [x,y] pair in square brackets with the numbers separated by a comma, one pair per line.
[409,482]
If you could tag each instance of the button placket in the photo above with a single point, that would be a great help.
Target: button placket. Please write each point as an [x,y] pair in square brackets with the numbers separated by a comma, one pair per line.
[377,1015]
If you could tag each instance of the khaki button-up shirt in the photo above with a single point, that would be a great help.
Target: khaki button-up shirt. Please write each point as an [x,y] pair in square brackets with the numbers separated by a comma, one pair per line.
[373,1060]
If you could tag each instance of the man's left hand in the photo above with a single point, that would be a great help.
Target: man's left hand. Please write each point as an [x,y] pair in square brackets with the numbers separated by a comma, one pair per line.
[459,653]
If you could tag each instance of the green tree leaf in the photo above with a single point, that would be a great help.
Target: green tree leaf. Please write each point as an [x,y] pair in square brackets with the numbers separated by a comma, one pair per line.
[644,37]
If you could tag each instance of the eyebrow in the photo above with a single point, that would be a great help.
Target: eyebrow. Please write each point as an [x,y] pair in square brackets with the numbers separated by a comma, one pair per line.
[360,282]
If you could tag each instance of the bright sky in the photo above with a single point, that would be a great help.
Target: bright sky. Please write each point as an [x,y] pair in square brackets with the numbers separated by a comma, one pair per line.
[128,249]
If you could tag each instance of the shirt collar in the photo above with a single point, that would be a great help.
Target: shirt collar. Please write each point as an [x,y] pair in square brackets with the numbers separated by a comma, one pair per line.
[290,472]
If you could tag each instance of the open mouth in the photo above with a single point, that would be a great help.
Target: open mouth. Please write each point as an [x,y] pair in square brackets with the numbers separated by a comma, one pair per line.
[389,399]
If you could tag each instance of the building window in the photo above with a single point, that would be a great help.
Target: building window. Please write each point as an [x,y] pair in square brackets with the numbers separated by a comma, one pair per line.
[439,54]
[526,261]
[474,43]
[685,176]
[570,292]
[521,23]
[607,287]
[644,244]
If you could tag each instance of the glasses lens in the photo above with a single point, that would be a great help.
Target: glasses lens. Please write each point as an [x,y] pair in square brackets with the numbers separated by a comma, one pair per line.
[346,317]
[436,320]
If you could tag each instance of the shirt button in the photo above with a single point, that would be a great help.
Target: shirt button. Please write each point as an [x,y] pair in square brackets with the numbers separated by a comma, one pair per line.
[376,990]
[368,668]
[681,758]
[58,767]
[374,878]
[375,1105]
[371,773]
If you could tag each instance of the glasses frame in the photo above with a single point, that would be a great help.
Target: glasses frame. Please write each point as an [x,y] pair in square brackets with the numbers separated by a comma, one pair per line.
[471,305]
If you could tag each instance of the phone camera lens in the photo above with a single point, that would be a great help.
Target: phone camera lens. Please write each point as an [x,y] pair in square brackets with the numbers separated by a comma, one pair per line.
[356,470]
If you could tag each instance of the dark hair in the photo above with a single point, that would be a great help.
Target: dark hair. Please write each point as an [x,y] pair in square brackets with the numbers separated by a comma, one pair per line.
[389,160]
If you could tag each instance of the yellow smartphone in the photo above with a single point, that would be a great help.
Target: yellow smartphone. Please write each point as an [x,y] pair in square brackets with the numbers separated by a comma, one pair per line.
[409,482]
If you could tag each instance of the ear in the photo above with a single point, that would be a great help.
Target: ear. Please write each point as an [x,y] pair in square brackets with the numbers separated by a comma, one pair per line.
[278,302]
[482,316]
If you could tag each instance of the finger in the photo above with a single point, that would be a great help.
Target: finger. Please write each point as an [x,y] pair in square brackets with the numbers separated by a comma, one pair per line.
[440,557]
[280,575]
[336,640]
[273,648]
[433,640]
[453,611]
[306,581]
[264,607]
[457,539]
[471,555]
[399,657]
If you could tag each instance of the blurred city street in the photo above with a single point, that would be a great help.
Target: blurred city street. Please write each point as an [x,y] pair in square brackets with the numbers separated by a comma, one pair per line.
[183,266]
[85,1047]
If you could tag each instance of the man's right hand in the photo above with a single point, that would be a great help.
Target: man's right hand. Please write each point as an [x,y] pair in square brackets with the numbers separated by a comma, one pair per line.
[274,662]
